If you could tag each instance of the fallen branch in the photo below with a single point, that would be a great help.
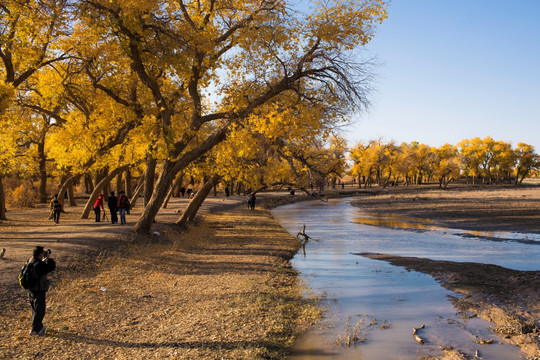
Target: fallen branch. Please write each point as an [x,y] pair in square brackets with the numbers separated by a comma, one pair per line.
[304,238]
[483,341]
[416,336]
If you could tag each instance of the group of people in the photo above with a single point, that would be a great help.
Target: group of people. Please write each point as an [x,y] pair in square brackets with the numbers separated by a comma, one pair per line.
[117,205]
[121,205]
[189,192]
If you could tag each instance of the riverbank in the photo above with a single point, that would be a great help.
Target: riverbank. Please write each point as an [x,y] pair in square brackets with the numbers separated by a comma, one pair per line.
[508,298]
[221,289]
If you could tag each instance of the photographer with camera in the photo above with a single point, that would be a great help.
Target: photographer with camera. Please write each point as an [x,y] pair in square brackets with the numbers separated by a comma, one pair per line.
[42,264]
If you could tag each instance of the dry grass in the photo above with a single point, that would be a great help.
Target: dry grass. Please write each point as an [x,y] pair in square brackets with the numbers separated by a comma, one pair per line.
[358,333]
[220,290]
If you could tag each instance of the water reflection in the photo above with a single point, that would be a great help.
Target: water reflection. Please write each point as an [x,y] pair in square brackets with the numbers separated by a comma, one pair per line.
[358,288]
[395,221]
[419,224]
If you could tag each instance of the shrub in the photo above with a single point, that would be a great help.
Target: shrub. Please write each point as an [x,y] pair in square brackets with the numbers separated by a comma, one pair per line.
[22,196]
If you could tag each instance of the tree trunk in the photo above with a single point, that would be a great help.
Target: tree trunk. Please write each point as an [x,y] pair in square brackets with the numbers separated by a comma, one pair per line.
[98,177]
[178,185]
[98,188]
[66,184]
[166,176]
[195,203]
[88,184]
[71,196]
[171,190]
[119,184]
[42,173]
[2,200]
[137,192]
[523,177]
[149,179]
[127,184]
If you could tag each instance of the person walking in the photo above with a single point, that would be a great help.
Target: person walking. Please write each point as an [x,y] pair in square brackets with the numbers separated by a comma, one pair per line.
[227,191]
[123,204]
[98,206]
[251,201]
[56,208]
[112,204]
[42,264]
[183,191]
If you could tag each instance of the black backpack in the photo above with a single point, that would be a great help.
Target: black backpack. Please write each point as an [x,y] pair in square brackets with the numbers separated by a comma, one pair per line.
[56,204]
[28,276]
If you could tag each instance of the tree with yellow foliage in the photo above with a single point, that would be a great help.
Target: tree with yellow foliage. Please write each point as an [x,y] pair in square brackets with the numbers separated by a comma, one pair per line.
[503,161]
[527,160]
[360,166]
[446,167]
[247,51]
[30,34]
[471,159]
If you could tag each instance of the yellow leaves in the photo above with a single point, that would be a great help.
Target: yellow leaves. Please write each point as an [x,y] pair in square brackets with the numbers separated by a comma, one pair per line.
[7,94]
[345,24]
[472,157]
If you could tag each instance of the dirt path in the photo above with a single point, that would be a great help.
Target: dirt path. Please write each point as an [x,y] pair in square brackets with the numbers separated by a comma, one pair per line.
[26,228]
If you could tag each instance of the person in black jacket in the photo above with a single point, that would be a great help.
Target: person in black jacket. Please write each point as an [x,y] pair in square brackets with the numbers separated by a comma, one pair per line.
[112,203]
[43,264]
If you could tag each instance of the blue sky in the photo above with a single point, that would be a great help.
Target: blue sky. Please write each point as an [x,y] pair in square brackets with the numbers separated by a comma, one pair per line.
[455,69]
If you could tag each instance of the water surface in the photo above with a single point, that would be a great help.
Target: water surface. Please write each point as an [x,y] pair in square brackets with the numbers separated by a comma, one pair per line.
[393,300]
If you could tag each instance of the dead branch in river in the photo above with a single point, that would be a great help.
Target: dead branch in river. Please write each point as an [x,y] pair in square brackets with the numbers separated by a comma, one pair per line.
[304,238]
[416,336]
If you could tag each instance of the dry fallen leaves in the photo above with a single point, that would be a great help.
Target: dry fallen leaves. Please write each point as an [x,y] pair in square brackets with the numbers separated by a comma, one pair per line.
[221,289]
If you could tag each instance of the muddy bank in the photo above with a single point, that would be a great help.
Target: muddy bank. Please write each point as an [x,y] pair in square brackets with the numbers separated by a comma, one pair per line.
[491,208]
[508,298]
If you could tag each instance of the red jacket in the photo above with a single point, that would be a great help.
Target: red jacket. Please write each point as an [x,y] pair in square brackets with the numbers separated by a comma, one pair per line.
[99,202]
[122,201]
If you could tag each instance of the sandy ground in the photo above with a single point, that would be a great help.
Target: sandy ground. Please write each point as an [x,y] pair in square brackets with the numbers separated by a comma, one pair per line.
[224,288]
[508,298]
[220,289]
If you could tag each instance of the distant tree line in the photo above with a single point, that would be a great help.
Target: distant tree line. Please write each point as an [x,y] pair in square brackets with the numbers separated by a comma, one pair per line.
[484,161]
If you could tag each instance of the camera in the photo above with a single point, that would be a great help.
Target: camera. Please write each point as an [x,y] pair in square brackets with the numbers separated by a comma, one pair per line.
[47,253]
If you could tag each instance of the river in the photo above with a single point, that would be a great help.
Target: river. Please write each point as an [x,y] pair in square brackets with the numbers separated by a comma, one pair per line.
[372,306]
